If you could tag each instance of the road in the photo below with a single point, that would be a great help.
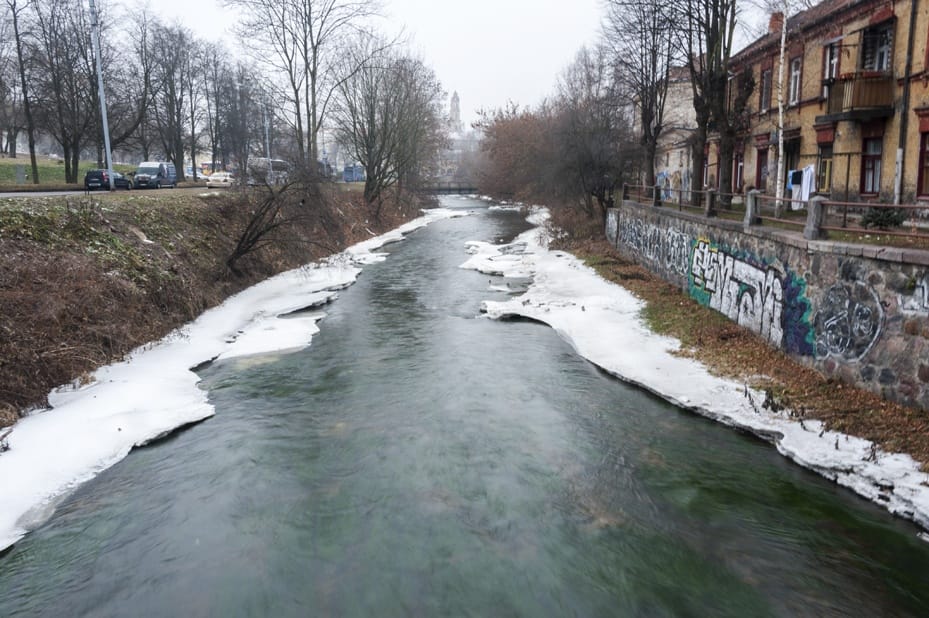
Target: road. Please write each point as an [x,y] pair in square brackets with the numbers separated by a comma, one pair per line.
[16,194]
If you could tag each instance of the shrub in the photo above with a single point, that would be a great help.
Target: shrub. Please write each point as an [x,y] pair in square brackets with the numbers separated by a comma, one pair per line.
[883,217]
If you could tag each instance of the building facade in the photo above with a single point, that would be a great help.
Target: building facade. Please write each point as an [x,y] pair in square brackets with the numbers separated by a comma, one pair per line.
[856,101]
[672,154]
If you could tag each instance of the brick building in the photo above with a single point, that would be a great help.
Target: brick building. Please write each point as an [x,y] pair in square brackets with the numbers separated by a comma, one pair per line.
[856,101]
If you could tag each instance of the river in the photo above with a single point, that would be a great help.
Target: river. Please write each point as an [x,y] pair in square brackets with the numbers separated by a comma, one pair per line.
[419,459]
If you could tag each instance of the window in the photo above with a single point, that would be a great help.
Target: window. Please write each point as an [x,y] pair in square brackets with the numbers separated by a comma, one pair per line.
[824,169]
[871,165]
[765,102]
[830,66]
[737,167]
[877,48]
[923,165]
[791,152]
[794,96]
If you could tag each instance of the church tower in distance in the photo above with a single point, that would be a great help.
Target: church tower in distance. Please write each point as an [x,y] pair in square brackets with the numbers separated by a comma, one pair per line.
[454,114]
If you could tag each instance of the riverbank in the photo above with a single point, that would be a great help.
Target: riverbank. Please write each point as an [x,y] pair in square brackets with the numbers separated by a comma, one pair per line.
[85,280]
[604,323]
[153,391]
[734,352]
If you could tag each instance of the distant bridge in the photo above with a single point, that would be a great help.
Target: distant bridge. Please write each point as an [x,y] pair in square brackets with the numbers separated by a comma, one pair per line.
[461,188]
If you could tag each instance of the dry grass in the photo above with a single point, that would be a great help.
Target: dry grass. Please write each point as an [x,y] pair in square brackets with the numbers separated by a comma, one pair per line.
[732,351]
[83,281]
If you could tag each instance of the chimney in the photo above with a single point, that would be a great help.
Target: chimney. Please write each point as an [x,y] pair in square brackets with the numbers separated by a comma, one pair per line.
[776,22]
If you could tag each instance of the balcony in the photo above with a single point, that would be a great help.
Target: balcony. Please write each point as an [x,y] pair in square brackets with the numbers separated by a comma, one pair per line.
[864,95]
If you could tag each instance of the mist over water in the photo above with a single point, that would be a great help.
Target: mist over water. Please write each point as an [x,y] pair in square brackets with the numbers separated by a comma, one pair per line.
[418,459]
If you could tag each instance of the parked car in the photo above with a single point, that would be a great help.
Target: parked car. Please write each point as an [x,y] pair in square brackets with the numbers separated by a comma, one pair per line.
[220,180]
[155,175]
[100,179]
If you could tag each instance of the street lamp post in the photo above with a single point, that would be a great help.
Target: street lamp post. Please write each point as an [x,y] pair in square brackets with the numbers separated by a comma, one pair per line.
[95,41]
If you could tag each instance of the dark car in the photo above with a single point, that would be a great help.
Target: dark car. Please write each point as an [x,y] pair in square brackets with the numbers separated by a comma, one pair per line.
[100,179]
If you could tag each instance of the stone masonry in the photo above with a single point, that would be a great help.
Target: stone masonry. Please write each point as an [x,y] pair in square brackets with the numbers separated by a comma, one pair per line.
[859,313]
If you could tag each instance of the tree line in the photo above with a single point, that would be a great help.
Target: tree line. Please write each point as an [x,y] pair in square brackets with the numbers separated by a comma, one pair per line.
[603,125]
[301,68]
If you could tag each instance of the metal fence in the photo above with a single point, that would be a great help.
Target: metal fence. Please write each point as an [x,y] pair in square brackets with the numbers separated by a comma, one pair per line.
[818,217]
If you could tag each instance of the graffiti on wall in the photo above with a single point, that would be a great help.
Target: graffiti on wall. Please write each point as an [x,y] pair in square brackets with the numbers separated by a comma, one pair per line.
[663,246]
[677,251]
[918,302]
[848,322]
[747,294]
[612,226]
[768,299]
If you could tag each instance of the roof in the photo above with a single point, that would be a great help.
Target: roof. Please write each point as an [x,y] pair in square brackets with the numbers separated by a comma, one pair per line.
[823,13]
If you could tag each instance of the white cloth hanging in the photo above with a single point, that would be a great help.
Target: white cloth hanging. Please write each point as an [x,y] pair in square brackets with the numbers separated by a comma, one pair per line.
[807,186]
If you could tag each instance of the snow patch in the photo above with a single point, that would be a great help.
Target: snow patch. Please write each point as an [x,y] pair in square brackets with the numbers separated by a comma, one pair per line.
[601,320]
[89,427]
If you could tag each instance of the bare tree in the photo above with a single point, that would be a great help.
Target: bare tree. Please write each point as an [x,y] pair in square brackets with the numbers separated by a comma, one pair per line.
[16,13]
[10,116]
[784,8]
[305,39]
[708,37]
[389,118]
[593,133]
[65,78]
[196,87]
[240,115]
[127,79]
[172,45]
[642,34]
[516,152]
[270,212]
[219,77]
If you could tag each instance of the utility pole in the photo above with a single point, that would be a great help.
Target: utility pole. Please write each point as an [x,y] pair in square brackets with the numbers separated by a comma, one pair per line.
[95,41]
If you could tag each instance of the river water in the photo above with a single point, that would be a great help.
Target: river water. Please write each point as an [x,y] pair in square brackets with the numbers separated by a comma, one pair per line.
[418,459]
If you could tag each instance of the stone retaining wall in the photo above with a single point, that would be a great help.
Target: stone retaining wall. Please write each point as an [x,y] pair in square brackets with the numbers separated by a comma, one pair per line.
[859,313]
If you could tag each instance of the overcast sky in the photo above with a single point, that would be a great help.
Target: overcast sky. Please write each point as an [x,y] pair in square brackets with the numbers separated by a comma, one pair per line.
[495,51]
[489,51]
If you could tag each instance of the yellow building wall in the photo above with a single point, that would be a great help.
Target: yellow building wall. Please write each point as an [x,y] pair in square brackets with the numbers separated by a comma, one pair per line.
[848,139]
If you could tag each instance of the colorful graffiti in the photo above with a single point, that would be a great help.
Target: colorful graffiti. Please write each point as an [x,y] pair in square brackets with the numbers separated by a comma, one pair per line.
[749,295]
[848,322]
[767,299]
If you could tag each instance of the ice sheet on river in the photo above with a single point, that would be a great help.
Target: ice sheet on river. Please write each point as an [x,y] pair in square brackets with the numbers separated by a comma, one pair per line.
[153,392]
[601,320]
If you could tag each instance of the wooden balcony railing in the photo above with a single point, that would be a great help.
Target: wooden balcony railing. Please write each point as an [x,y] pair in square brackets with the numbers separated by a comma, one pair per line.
[861,91]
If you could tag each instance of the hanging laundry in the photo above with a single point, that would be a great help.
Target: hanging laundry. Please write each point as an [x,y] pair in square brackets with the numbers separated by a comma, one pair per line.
[807,183]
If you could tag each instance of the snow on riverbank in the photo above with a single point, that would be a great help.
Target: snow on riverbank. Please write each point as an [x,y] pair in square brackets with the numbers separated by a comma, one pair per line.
[153,392]
[601,320]
[88,428]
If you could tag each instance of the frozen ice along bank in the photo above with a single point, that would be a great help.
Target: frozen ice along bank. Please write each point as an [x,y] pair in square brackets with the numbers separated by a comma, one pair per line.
[601,320]
[153,392]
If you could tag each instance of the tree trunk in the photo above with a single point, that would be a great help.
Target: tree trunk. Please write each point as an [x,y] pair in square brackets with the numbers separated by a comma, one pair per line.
[724,175]
[27,107]
[698,159]
[650,148]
